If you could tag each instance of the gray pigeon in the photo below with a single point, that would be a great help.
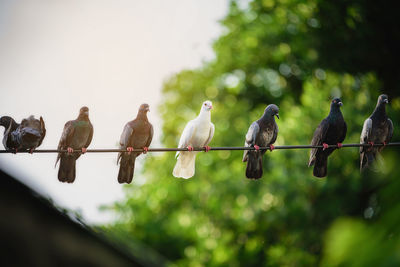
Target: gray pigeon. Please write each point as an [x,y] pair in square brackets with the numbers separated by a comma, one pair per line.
[27,135]
[331,131]
[378,128]
[77,135]
[137,134]
[262,133]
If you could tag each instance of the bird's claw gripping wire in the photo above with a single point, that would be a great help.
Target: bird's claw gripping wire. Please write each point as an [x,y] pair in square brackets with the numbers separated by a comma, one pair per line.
[339,145]
[129,149]
[145,149]
[384,143]
[257,148]
[325,145]
[190,148]
[84,149]
[371,144]
[70,150]
[207,148]
[271,147]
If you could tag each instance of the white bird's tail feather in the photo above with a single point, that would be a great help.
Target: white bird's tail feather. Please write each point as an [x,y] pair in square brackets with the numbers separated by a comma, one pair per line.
[185,165]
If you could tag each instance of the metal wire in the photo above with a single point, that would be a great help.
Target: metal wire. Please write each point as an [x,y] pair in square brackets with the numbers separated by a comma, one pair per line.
[196,148]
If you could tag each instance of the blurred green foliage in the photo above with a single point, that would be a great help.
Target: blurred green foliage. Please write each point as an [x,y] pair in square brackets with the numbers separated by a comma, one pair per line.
[269,52]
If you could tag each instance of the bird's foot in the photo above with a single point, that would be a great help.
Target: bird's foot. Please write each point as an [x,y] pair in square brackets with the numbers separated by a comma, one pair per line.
[325,145]
[70,150]
[129,149]
[84,149]
[384,143]
[339,145]
[371,144]
[31,150]
[257,148]
[190,148]
[207,148]
[145,149]
[15,151]
[271,147]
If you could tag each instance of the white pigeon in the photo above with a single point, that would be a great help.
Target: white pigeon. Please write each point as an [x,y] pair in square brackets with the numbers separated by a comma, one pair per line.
[197,133]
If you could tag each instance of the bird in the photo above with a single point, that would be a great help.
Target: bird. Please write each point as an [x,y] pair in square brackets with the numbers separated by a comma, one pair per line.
[331,131]
[10,125]
[77,135]
[197,133]
[378,128]
[27,135]
[261,133]
[138,134]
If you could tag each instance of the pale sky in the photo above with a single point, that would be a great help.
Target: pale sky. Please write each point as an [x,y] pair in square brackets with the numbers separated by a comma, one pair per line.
[59,55]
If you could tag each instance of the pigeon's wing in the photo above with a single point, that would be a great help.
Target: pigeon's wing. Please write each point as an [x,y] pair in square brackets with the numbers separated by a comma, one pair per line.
[251,137]
[186,135]
[275,134]
[390,130]
[344,132]
[151,132]
[43,128]
[89,140]
[125,138]
[210,136]
[318,138]
[365,133]
[66,137]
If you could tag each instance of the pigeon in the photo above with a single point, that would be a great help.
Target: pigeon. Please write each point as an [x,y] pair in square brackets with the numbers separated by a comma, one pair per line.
[77,135]
[262,133]
[331,131]
[10,126]
[27,135]
[378,128]
[137,134]
[197,133]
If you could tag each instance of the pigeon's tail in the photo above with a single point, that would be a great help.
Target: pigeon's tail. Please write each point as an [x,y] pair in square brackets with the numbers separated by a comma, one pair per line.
[185,165]
[126,169]
[254,169]
[66,172]
[366,159]
[320,166]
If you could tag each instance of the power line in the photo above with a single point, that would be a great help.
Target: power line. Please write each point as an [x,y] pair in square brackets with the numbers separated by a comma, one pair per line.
[198,148]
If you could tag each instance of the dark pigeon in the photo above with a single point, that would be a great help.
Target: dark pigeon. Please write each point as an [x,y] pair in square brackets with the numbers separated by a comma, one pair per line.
[378,128]
[27,135]
[10,126]
[262,133]
[137,134]
[77,135]
[331,131]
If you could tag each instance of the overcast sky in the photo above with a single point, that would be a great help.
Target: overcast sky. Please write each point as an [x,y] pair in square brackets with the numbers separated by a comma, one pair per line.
[58,55]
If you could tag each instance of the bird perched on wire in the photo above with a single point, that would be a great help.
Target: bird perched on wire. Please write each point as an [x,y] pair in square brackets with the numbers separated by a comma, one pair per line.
[331,131]
[76,136]
[137,134]
[27,135]
[262,133]
[197,133]
[378,128]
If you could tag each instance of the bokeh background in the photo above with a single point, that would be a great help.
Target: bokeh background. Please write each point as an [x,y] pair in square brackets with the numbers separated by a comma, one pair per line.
[298,55]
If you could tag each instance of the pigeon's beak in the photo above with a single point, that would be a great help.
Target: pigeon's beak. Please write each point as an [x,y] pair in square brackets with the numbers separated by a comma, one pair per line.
[277,115]
[386,101]
[340,104]
[86,113]
[147,109]
[211,107]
